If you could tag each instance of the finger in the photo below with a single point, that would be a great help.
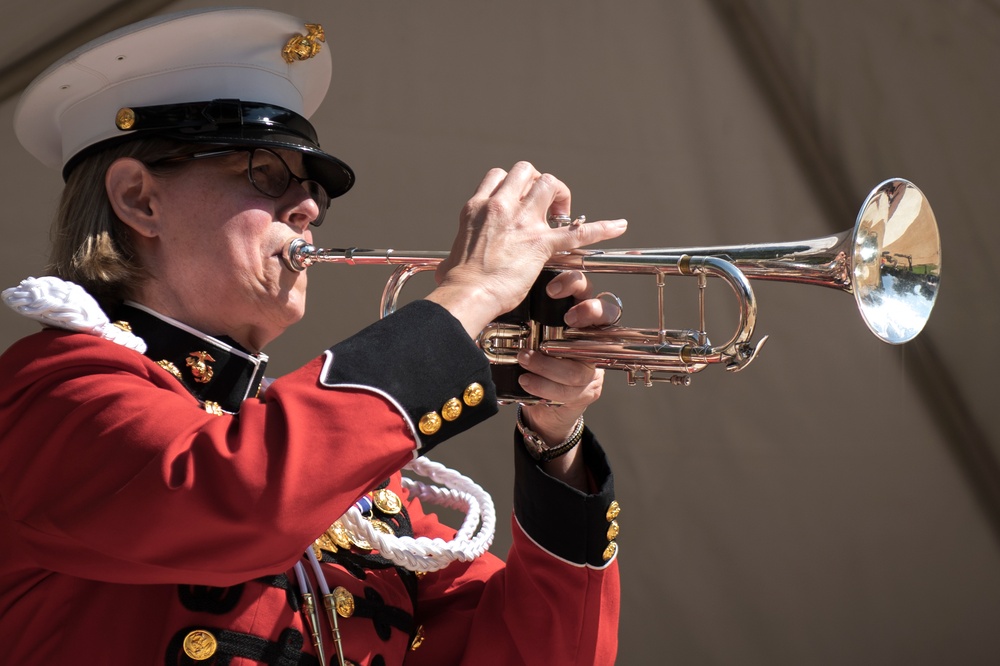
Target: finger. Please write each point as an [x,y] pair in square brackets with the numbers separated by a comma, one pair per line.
[572,237]
[518,182]
[545,388]
[563,371]
[593,312]
[548,195]
[569,284]
[491,181]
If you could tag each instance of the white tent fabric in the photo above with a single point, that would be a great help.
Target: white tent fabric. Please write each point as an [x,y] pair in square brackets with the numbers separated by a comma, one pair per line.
[839,500]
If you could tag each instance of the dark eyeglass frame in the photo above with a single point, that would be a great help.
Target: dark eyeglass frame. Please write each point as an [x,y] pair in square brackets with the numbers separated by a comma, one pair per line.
[315,191]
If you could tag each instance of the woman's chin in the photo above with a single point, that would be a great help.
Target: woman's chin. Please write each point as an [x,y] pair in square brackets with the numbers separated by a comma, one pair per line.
[293,310]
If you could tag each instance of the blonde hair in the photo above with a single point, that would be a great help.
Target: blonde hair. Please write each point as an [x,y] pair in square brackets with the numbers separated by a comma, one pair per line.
[90,245]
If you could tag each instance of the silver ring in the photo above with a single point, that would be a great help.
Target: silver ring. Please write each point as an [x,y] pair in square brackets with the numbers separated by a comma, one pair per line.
[617,301]
[559,221]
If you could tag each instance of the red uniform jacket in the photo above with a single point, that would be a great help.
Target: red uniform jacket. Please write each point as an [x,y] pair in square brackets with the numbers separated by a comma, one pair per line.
[132,518]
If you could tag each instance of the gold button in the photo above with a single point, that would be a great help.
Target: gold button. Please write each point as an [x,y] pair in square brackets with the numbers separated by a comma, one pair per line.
[452,409]
[214,408]
[123,325]
[338,534]
[381,526]
[613,530]
[124,120]
[387,501]
[418,638]
[325,542]
[430,423]
[610,551]
[343,601]
[200,645]
[473,394]
[169,367]
[613,510]
[358,540]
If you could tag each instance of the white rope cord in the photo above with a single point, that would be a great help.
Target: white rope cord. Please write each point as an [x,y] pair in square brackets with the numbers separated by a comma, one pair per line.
[426,554]
[56,302]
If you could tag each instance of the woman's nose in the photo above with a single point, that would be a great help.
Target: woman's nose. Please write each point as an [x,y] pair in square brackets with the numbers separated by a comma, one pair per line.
[298,208]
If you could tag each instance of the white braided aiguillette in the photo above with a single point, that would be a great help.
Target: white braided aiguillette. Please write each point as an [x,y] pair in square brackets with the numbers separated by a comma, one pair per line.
[53,301]
[423,553]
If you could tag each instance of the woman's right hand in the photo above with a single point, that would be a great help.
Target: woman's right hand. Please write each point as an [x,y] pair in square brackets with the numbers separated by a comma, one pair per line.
[504,240]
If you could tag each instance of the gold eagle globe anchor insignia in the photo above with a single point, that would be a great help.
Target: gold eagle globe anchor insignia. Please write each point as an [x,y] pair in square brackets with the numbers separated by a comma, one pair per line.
[303,47]
[200,368]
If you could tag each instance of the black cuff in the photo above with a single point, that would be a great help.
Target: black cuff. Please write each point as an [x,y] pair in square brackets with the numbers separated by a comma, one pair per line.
[570,524]
[422,358]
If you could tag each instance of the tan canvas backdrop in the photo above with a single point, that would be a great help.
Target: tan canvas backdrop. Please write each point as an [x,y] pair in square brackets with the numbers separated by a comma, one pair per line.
[837,502]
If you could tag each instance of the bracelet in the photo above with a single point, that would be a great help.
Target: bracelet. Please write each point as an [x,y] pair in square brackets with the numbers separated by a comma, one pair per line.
[541,451]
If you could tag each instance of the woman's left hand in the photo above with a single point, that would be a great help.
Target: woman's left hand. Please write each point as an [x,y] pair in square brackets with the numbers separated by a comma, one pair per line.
[574,384]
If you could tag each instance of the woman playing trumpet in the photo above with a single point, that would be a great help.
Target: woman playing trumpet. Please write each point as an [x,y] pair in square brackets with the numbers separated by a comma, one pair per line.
[162,501]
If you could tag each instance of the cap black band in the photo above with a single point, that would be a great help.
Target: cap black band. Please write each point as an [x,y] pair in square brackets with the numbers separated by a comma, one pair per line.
[220,115]
[229,122]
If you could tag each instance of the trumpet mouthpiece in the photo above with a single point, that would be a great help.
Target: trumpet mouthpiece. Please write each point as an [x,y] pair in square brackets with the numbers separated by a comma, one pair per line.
[297,255]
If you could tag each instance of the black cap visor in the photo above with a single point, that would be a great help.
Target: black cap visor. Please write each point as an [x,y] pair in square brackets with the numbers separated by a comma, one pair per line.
[231,122]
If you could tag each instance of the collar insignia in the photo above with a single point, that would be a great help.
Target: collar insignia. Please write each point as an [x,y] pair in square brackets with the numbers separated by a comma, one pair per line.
[220,374]
[199,363]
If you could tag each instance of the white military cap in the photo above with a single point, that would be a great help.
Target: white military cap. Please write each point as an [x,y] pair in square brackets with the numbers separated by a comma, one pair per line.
[228,76]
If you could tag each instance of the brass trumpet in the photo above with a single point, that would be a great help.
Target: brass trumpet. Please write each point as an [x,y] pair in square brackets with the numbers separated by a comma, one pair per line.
[890,261]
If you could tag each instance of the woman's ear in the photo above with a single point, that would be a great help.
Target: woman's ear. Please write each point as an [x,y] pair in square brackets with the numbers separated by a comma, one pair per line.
[132,192]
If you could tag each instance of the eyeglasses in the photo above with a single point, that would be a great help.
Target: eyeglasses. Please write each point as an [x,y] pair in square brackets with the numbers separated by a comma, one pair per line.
[269,174]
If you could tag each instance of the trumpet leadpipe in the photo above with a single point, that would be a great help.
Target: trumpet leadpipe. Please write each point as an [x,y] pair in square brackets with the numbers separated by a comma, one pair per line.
[299,255]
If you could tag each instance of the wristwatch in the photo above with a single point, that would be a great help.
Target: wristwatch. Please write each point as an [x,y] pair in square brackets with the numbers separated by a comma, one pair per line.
[537,447]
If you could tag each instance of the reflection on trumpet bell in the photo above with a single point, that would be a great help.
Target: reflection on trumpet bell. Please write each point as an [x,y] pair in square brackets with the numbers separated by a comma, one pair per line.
[890,261]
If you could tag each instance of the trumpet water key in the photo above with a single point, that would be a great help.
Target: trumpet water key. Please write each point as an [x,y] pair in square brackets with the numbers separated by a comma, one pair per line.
[890,261]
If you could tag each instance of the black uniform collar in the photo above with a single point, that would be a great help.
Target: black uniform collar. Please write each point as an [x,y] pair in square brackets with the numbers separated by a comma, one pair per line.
[217,371]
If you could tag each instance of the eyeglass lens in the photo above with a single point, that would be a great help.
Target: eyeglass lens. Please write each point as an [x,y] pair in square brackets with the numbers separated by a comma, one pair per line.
[272,176]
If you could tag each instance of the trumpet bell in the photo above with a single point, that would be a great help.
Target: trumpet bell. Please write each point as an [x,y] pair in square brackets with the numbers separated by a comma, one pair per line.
[890,260]
[896,261]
